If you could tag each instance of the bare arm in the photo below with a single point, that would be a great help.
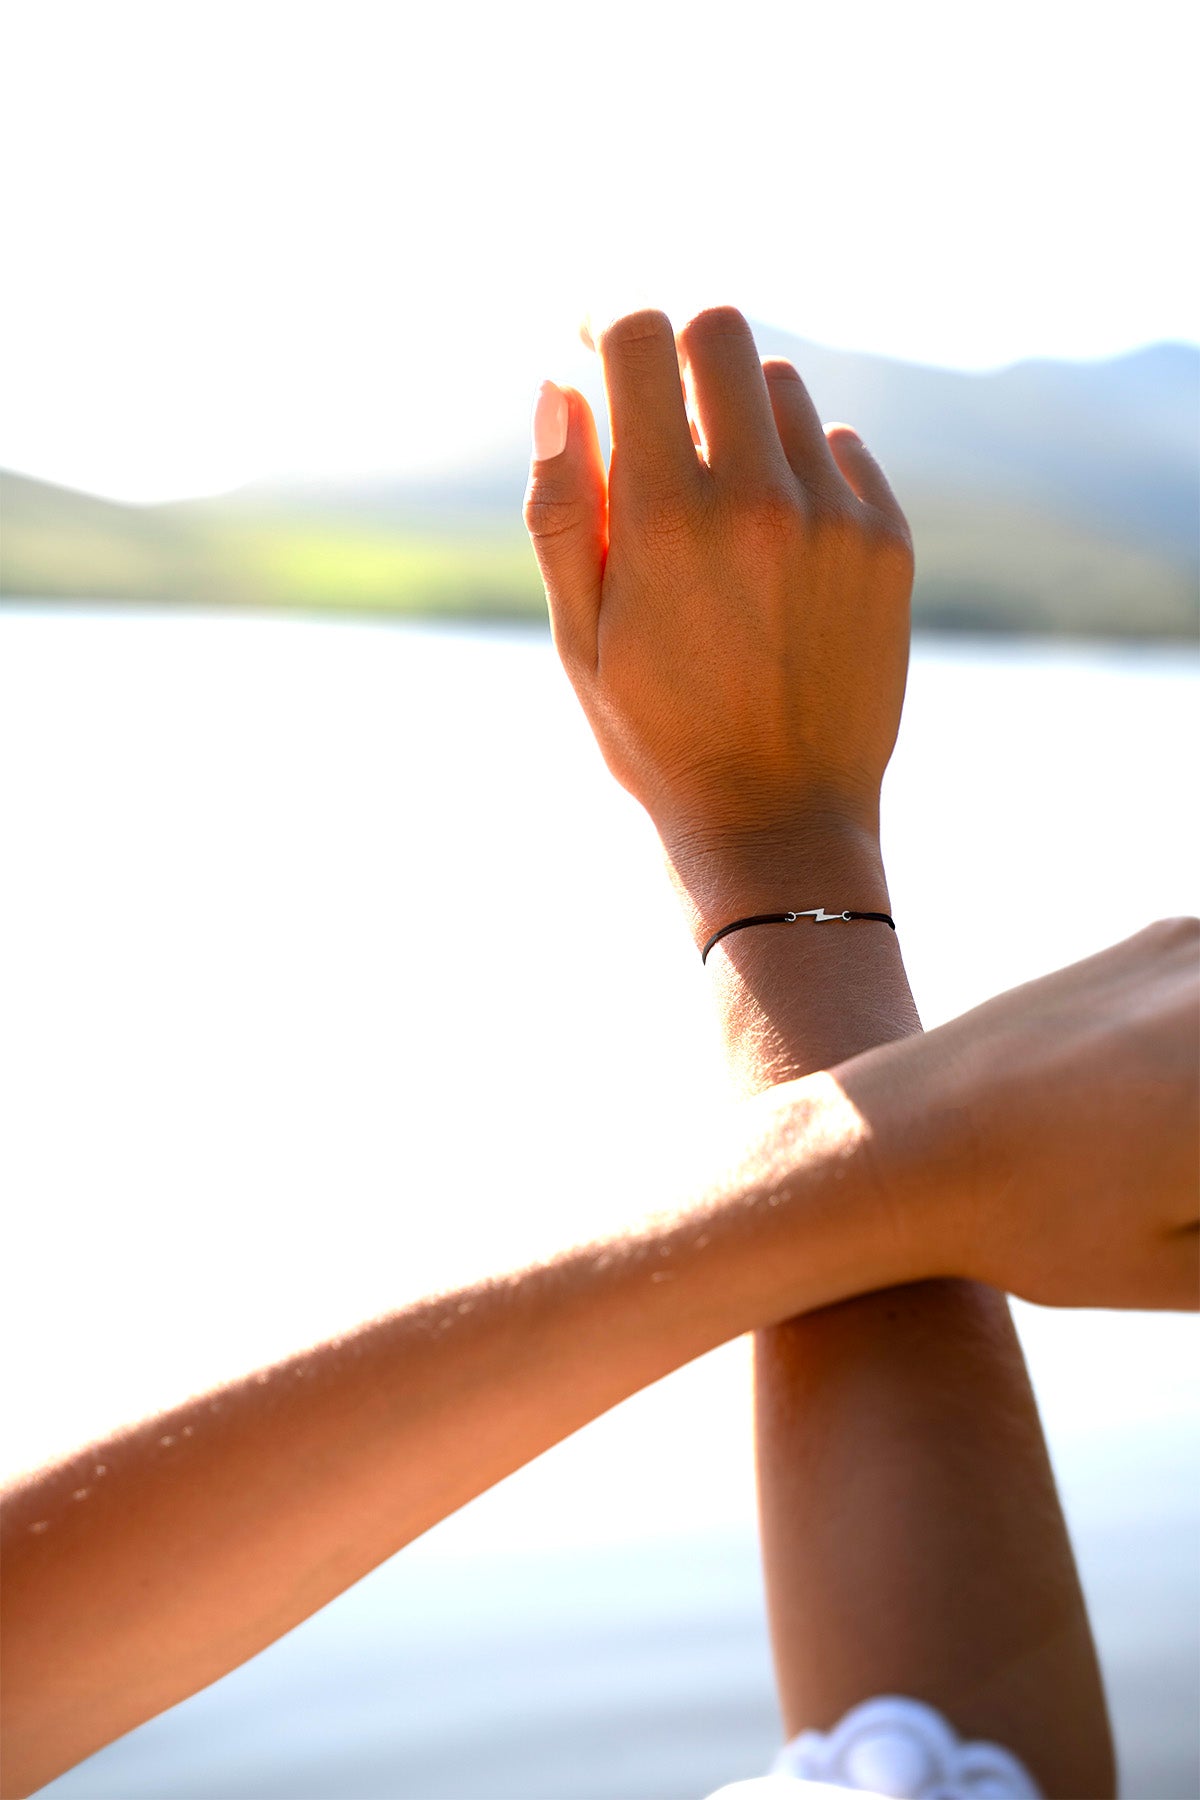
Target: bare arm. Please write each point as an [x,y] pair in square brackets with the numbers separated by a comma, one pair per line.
[139,1569]
[904,1484]
[912,1536]
[731,602]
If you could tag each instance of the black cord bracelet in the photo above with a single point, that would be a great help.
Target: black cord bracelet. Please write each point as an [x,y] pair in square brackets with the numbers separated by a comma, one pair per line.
[816,913]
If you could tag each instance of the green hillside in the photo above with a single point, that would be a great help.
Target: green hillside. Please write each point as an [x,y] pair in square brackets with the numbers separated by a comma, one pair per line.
[55,543]
[1001,566]
[1048,497]
[985,567]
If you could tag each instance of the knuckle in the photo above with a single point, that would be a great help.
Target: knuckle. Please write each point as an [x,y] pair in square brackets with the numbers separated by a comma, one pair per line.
[890,540]
[837,521]
[850,528]
[712,324]
[769,513]
[550,516]
[632,334]
[666,516]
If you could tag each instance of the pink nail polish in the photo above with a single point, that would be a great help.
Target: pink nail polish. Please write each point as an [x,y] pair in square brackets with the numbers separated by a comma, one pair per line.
[549,422]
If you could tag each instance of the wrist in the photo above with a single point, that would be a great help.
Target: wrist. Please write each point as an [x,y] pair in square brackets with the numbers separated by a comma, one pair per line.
[920,1145]
[816,860]
[842,1186]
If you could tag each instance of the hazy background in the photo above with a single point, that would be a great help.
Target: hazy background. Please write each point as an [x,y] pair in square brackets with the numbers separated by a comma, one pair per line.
[280,282]
[314,260]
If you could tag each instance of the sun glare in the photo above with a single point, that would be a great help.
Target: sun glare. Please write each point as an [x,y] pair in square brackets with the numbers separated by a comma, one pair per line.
[298,240]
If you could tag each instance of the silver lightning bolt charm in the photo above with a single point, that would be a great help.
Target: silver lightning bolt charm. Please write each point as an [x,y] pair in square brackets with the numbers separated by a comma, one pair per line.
[817,914]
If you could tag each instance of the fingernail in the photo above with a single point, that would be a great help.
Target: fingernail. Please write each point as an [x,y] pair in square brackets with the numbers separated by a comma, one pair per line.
[550,414]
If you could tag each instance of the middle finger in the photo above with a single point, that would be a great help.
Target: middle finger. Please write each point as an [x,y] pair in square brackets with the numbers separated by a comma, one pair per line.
[730,394]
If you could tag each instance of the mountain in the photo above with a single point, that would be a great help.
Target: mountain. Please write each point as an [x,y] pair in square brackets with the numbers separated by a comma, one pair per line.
[1103,443]
[1049,496]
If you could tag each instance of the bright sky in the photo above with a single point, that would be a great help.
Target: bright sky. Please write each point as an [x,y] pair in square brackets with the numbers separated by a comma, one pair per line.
[321,236]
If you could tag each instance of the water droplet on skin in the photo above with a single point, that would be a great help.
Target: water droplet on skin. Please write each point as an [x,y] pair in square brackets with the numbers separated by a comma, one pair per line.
[42,1525]
[166,1442]
[262,1379]
[187,1431]
[102,1468]
[81,1493]
[464,1306]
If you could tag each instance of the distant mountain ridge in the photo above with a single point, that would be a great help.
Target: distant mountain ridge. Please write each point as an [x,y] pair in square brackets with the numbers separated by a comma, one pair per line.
[1047,496]
[1110,444]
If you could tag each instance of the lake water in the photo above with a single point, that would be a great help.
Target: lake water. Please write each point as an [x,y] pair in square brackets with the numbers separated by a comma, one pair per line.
[276,894]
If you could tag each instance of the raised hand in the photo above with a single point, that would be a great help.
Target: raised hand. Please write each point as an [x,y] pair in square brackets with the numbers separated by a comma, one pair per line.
[731,606]
[731,602]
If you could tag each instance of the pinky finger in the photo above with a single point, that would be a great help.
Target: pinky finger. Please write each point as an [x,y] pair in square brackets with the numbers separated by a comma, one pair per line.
[863,473]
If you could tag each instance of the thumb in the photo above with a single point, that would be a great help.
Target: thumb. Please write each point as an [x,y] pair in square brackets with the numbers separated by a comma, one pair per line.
[566,516]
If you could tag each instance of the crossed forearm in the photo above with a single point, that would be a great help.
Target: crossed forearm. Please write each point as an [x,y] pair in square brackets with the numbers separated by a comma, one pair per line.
[912,1535]
[912,1530]
[140,1569]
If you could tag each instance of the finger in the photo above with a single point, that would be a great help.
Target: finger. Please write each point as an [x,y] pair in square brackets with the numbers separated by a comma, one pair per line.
[862,472]
[799,426]
[566,516]
[729,393]
[652,444]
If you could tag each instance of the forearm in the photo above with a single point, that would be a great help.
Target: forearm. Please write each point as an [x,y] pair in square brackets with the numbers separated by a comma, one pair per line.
[913,1538]
[143,1568]
[794,998]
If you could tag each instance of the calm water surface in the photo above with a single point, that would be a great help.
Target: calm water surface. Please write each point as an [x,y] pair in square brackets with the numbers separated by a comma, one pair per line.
[334,966]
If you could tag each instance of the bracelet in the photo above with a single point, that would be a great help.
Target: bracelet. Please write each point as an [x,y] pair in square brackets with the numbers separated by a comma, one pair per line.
[816,913]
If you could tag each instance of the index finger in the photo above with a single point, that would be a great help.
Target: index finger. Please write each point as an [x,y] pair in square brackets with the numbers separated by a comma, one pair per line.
[652,440]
